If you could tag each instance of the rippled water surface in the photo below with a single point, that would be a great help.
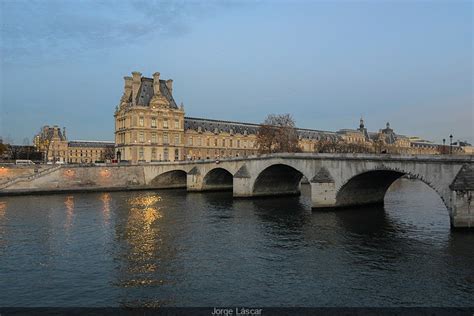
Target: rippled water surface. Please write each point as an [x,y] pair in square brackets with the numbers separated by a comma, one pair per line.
[155,248]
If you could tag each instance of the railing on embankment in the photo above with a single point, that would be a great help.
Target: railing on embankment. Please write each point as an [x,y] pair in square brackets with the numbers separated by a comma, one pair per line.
[28,177]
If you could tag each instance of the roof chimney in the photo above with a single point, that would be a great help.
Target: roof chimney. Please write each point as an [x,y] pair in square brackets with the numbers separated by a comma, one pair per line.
[156,83]
[136,81]
[128,85]
[169,85]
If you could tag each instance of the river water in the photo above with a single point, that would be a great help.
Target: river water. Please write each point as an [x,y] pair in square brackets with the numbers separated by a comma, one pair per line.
[172,248]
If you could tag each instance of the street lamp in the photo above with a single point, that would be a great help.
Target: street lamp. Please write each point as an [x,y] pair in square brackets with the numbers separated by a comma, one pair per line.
[444,147]
[451,144]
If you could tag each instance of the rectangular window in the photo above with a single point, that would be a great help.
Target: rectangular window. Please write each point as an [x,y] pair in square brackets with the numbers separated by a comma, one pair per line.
[153,138]
[165,123]
[230,142]
[165,154]
[190,141]
[141,155]
[141,121]
[238,143]
[176,154]
[165,139]
[208,142]
[215,142]
[176,124]
[153,154]
[176,139]
[141,137]
[199,141]
[153,122]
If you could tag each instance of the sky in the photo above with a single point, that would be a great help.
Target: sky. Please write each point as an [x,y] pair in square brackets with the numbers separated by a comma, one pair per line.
[325,62]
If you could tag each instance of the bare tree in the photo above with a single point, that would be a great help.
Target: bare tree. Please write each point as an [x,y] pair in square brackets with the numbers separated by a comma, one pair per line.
[278,134]
[327,145]
[380,145]
[108,154]
[3,150]
[338,145]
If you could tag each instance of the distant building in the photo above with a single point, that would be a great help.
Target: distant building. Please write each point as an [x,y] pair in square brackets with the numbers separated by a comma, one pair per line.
[53,144]
[81,151]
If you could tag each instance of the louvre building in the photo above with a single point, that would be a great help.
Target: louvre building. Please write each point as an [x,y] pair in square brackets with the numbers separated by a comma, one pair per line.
[150,126]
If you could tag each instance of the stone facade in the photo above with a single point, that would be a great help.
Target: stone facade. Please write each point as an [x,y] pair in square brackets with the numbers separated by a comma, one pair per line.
[149,126]
[89,151]
[53,143]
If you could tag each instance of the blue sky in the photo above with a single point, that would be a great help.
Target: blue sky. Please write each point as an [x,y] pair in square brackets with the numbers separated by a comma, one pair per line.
[325,62]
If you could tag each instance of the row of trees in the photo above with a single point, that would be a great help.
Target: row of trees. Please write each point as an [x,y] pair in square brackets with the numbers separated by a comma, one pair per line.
[278,134]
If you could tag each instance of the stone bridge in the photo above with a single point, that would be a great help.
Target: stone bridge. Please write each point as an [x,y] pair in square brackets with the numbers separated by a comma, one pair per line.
[337,180]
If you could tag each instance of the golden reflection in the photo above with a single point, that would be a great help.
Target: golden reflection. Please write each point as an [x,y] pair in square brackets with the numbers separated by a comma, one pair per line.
[69,173]
[69,210]
[144,211]
[3,209]
[3,172]
[105,173]
[105,198]
[144,240]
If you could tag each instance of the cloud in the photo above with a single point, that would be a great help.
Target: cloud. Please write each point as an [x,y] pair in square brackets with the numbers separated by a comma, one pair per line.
[41,30]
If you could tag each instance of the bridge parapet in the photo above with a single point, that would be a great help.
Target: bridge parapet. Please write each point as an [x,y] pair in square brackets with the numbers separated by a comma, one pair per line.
[337,180]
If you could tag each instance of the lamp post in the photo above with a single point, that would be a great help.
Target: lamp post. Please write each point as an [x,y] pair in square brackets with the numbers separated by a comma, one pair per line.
[444,147]
[451,144]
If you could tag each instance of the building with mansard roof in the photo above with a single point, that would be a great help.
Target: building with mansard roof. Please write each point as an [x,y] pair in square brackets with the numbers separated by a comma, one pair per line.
[52,142]
[150,126]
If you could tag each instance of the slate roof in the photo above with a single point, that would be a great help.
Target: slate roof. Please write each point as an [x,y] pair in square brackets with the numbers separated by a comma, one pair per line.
[145,93]
[464,179]
[210,125]
[423,144]
[87,143]
[48,133]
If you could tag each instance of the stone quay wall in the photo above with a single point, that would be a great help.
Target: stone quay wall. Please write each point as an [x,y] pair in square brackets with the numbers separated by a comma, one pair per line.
[77,178]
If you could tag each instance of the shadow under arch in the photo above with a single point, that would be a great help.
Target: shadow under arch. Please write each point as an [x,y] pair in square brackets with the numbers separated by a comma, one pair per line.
[278,179]
[175,179]
[370,187]
[218,179]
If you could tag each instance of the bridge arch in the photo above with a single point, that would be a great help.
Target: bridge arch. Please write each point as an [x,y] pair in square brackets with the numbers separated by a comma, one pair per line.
[218,179]
[370,187]
[278,179]
[170,179]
